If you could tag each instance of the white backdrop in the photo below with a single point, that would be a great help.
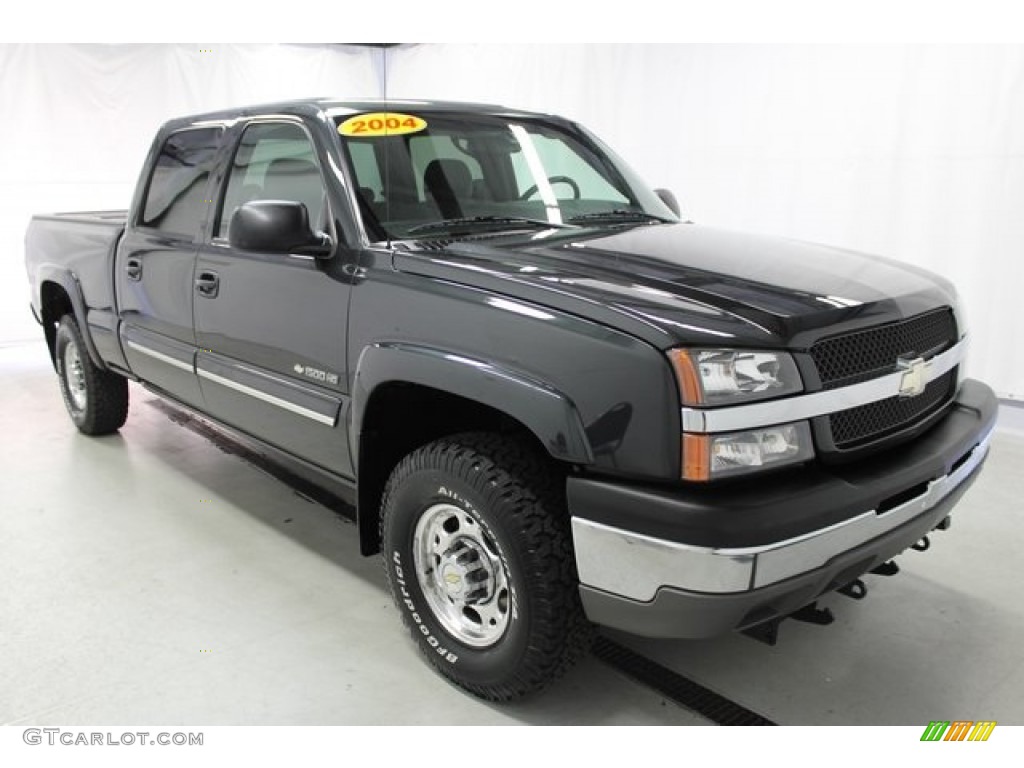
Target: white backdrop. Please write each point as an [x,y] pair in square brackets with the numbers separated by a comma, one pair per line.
[76,122]
[911,152]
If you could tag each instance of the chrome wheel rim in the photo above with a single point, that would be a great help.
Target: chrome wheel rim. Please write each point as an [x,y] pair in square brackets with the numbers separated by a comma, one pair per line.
[74,377]
[461,575]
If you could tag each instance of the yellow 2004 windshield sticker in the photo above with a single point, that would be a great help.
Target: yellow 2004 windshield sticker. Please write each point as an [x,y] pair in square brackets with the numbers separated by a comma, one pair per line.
[381,124]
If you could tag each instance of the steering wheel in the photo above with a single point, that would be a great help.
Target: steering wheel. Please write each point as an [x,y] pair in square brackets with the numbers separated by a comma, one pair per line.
[554,180]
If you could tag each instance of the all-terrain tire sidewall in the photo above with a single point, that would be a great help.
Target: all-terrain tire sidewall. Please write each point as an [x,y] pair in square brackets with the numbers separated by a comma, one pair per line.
[68,335]
[106,405]
[470,666]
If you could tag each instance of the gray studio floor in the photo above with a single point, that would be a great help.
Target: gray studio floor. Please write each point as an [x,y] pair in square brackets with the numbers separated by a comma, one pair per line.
[151,577]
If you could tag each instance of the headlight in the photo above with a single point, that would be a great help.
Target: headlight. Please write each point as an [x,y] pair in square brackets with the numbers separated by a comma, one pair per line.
[709,457]
[723,377]
[733,376]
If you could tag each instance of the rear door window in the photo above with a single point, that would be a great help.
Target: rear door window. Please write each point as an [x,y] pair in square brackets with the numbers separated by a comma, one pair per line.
[176,195]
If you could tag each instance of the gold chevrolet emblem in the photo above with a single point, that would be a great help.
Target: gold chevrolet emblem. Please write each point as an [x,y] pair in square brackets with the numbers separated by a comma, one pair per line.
[452,578]
[915,376]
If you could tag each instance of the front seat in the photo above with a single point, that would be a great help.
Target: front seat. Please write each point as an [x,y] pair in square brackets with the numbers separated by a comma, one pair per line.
[448,181]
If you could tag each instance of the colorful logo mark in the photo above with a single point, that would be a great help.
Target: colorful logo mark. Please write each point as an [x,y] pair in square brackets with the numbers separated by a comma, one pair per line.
[958,730]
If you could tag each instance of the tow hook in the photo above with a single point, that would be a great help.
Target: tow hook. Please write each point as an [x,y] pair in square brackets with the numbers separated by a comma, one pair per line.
[812,614]
[947,521]
[922,545]
[767,632]
[889,568]
[856,589]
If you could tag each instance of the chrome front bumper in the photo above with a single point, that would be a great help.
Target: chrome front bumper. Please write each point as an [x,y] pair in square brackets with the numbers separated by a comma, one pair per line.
[635,566]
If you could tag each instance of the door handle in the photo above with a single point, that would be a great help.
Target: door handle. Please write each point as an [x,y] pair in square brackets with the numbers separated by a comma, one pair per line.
[208,284]
[134,268]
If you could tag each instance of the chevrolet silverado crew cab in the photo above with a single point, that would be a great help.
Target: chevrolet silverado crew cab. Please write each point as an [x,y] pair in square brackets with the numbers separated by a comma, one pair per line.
[553,403]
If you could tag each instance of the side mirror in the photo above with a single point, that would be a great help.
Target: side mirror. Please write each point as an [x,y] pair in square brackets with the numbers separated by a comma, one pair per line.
[276,226]
[670,200]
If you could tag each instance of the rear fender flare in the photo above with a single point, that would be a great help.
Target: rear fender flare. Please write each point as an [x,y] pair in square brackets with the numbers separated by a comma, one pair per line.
[67,280]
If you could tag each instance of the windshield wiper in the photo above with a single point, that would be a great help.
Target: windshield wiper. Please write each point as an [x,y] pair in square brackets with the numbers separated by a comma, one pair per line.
[619,215]
[483,222]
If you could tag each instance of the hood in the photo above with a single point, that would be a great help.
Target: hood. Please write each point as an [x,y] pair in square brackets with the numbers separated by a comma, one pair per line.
[677,284]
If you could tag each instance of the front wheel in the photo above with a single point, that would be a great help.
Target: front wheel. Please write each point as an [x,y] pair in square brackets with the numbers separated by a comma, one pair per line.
[97,400]
[478,555]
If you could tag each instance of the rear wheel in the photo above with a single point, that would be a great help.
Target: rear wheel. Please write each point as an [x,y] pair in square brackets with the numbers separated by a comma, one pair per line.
[478,555]
[97,400]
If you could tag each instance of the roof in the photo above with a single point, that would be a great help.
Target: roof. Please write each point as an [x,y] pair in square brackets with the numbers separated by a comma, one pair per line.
[335,106]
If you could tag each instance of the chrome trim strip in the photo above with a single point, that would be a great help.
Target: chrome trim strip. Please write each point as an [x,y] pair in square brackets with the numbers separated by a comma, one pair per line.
[279,402]
[763,414]
[160,356]
[636,566]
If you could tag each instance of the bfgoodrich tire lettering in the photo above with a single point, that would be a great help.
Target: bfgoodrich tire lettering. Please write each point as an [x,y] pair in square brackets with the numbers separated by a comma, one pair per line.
[97,400]
[502,553]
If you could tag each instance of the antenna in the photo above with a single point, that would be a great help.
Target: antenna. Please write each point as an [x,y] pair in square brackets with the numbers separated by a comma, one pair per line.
[387,150]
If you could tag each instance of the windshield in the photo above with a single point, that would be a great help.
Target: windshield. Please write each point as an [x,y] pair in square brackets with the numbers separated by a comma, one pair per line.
[434,174]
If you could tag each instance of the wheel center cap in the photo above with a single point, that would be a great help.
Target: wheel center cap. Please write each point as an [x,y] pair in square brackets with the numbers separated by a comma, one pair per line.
[453,578]
[465,574]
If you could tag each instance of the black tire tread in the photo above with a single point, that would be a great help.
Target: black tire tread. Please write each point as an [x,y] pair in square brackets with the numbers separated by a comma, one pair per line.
[107,407]
[535,493]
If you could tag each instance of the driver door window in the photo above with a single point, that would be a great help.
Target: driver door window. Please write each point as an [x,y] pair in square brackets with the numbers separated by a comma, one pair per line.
[274,161]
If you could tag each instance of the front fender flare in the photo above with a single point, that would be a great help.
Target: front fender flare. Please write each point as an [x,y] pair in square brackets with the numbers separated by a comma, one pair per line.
[548,413]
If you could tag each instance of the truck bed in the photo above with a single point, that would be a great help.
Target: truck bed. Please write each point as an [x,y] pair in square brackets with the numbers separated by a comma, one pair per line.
[78,241]
[79,246]
[87,217]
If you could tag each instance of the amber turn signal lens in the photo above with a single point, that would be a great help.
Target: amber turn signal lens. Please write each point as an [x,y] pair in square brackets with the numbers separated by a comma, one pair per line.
[696,457]
[686,375]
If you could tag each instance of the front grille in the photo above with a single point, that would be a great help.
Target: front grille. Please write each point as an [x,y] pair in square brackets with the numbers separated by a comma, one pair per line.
[863,355]
[866,423]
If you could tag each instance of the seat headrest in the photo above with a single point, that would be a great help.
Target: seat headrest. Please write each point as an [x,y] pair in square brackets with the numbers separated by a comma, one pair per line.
[448,175]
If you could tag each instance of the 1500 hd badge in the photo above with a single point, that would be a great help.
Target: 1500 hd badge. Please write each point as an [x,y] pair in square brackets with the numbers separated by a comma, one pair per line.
[316,374]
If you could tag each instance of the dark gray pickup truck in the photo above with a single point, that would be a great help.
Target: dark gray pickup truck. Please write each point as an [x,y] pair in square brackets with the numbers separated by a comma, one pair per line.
[553,403]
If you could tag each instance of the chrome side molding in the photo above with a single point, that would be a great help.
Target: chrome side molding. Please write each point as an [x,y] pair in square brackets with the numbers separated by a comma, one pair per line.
[268,398]
[160,356]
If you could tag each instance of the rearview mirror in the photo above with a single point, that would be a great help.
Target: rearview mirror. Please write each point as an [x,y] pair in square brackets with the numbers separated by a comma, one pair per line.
[276,226]
[670,200]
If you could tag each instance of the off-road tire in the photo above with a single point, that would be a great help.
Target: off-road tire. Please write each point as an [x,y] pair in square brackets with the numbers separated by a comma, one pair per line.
[515,501]
[97,400]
